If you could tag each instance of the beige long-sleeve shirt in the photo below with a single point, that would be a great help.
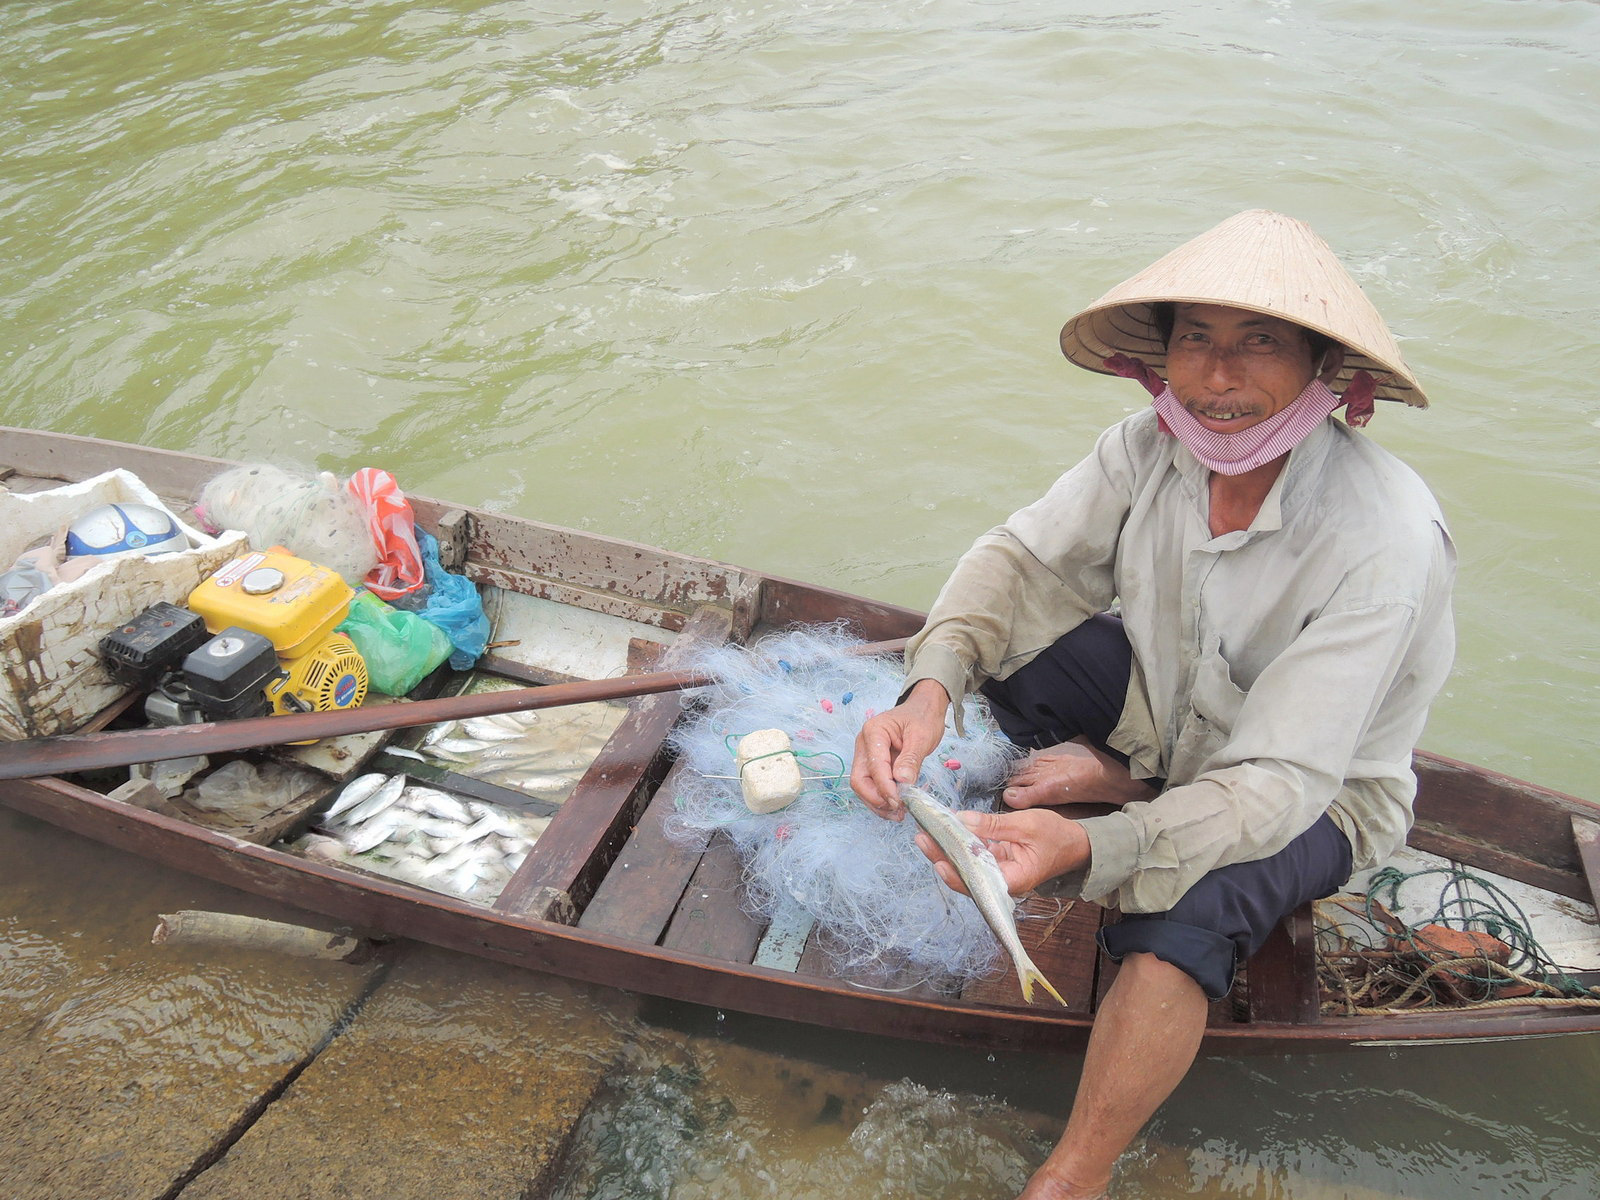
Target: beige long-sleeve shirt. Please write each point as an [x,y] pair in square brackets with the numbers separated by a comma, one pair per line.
[1280,672]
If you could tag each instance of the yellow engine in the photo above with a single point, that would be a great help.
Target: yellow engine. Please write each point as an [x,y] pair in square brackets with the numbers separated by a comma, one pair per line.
[330,675]
[295,604]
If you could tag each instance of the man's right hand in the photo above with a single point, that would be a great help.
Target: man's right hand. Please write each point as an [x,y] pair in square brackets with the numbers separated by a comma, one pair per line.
[1029,847]
[891,746]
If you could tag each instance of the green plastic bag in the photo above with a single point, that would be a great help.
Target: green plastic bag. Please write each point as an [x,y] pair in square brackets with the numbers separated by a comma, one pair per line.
[399,647]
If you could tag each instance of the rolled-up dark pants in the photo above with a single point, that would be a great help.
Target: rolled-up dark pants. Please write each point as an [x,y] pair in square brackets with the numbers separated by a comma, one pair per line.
[1076,688]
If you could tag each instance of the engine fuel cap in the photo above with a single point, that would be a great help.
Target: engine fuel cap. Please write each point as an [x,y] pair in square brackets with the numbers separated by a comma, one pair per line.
[262,581]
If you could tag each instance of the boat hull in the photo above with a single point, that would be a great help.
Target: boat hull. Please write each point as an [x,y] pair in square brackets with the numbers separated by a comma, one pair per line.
[381,907]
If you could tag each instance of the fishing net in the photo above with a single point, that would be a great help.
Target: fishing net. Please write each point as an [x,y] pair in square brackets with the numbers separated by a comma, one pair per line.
[313,517]
[860,877]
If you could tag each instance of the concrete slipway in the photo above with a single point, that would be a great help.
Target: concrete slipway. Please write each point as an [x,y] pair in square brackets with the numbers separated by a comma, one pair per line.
[141,1071]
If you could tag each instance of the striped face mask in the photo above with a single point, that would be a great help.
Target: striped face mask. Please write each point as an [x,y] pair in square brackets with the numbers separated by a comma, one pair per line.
[1236,453]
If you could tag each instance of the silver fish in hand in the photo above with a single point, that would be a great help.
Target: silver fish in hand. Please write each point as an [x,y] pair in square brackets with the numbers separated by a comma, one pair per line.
[981,876]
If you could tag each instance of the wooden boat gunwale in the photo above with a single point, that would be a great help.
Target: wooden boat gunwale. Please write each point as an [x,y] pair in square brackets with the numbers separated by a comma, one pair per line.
[667,590]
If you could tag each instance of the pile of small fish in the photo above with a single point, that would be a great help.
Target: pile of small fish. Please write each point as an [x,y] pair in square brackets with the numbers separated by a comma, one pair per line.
[542,753]
[392,826]
[395,826]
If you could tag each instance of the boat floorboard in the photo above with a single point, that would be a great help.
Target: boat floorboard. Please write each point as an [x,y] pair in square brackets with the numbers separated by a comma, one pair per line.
[640,893]
[822,953]
[1059,936]
[711,919]
[686,899]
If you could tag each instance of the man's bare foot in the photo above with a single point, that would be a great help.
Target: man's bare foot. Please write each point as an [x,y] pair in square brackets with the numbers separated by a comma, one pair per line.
[1072,773]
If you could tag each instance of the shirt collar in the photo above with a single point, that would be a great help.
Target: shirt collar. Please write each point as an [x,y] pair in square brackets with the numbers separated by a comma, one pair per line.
[1291,490]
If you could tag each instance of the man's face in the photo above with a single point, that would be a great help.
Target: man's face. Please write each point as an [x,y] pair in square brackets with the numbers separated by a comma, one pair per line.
[1232,368]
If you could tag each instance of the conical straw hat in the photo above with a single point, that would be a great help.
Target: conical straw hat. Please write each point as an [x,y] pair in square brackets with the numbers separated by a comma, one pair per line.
[1258,260]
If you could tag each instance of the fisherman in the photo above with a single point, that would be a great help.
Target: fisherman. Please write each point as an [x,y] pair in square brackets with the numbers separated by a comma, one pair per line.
[1228,621]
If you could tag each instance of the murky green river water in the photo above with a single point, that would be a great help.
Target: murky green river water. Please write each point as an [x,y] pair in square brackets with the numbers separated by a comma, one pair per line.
[779,283]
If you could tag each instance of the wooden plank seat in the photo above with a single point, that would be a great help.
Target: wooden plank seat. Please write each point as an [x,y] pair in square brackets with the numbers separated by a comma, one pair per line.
[1229,1010]
[1586,836]
[1281,980]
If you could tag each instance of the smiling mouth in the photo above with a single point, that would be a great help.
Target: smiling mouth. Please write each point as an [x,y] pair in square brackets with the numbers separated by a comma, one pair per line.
[1220,416]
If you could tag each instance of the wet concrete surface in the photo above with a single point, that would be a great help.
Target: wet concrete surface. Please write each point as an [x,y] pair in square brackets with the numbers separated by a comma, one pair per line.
[140,1071]
[124,1062]
[454,1078]
[103,1127]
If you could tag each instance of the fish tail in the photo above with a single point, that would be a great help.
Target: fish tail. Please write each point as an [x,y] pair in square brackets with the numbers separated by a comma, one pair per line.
[1029,975]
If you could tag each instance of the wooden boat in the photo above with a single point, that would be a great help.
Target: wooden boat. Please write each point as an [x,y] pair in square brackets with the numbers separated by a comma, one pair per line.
[604,897]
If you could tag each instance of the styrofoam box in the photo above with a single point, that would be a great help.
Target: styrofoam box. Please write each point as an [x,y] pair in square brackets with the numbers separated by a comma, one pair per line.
[51,676]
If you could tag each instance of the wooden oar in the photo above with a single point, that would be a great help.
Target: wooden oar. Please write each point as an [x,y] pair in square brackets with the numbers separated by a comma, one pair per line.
[89,751]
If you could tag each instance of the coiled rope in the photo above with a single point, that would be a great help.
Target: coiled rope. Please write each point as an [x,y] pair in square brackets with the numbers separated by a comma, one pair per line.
[1407,972]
